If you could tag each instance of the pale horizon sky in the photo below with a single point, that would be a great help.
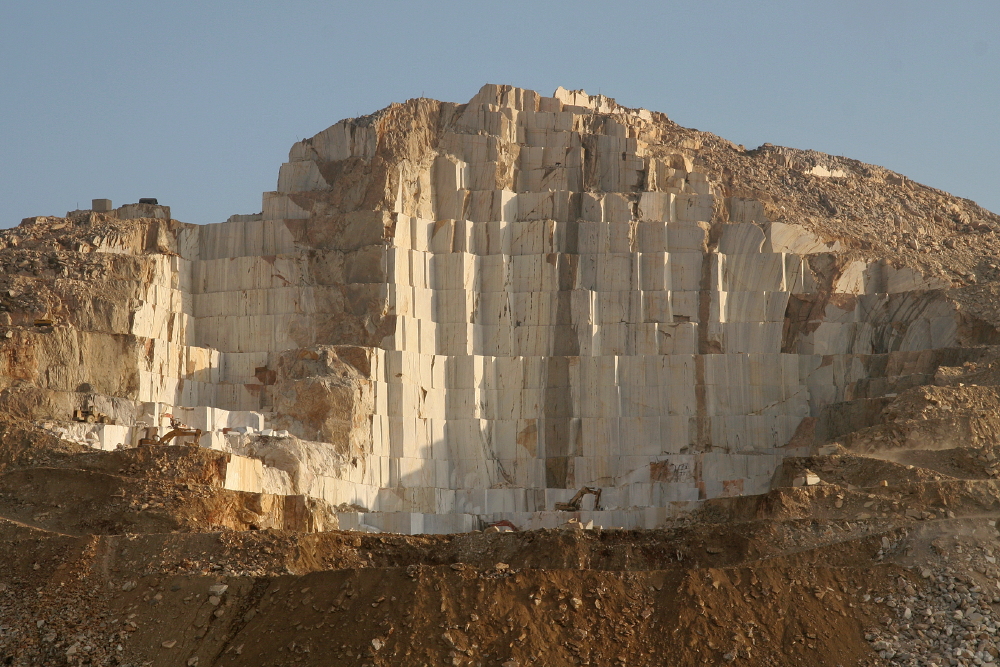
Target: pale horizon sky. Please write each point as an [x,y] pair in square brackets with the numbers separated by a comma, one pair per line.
[197,103]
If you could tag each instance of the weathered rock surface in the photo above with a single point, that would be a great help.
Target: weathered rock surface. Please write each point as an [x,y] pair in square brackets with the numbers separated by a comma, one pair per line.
[452,314]
[456,313]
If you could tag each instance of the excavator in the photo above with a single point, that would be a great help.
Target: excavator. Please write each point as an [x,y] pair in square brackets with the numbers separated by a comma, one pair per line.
[576,501]
[177,430]
[503,523]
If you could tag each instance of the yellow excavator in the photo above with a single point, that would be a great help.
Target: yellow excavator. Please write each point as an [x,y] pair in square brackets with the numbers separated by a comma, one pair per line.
[177,430]
[576,501]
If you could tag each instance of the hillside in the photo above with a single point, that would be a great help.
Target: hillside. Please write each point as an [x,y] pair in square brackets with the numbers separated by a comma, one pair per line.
[777,367]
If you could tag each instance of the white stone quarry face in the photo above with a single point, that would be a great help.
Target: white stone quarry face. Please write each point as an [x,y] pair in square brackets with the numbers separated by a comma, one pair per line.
[470,315]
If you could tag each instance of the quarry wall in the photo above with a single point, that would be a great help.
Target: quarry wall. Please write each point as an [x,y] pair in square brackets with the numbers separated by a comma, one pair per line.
[447,315]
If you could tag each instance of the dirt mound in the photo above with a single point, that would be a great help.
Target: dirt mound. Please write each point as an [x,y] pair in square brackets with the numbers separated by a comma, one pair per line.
[361,608]
[856,471]
[146,489]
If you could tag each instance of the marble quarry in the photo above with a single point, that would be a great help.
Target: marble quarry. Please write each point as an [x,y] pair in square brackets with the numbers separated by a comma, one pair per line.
[447,315]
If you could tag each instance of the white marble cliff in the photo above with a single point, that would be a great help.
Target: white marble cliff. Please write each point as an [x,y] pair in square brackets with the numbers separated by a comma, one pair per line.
[448,315]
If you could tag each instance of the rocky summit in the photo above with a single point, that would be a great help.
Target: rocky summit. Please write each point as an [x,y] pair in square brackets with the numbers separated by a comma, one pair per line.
[523,381]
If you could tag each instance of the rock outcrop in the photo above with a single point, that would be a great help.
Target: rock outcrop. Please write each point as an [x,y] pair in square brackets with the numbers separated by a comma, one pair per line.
[450,314]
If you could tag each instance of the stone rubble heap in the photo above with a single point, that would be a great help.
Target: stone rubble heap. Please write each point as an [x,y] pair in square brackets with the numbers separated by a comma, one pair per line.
[946,626]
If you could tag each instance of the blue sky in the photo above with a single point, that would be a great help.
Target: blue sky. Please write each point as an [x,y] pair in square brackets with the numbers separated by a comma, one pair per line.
[197,103]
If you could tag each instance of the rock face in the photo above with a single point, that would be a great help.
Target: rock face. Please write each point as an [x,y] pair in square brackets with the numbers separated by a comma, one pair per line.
[450,314]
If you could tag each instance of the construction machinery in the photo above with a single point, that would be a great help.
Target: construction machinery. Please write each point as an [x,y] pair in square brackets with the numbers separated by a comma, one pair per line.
[503,523]
[576,501]
[177,430]
[91,416]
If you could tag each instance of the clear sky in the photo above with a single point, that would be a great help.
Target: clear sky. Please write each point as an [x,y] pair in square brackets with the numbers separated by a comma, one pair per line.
[197,103]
